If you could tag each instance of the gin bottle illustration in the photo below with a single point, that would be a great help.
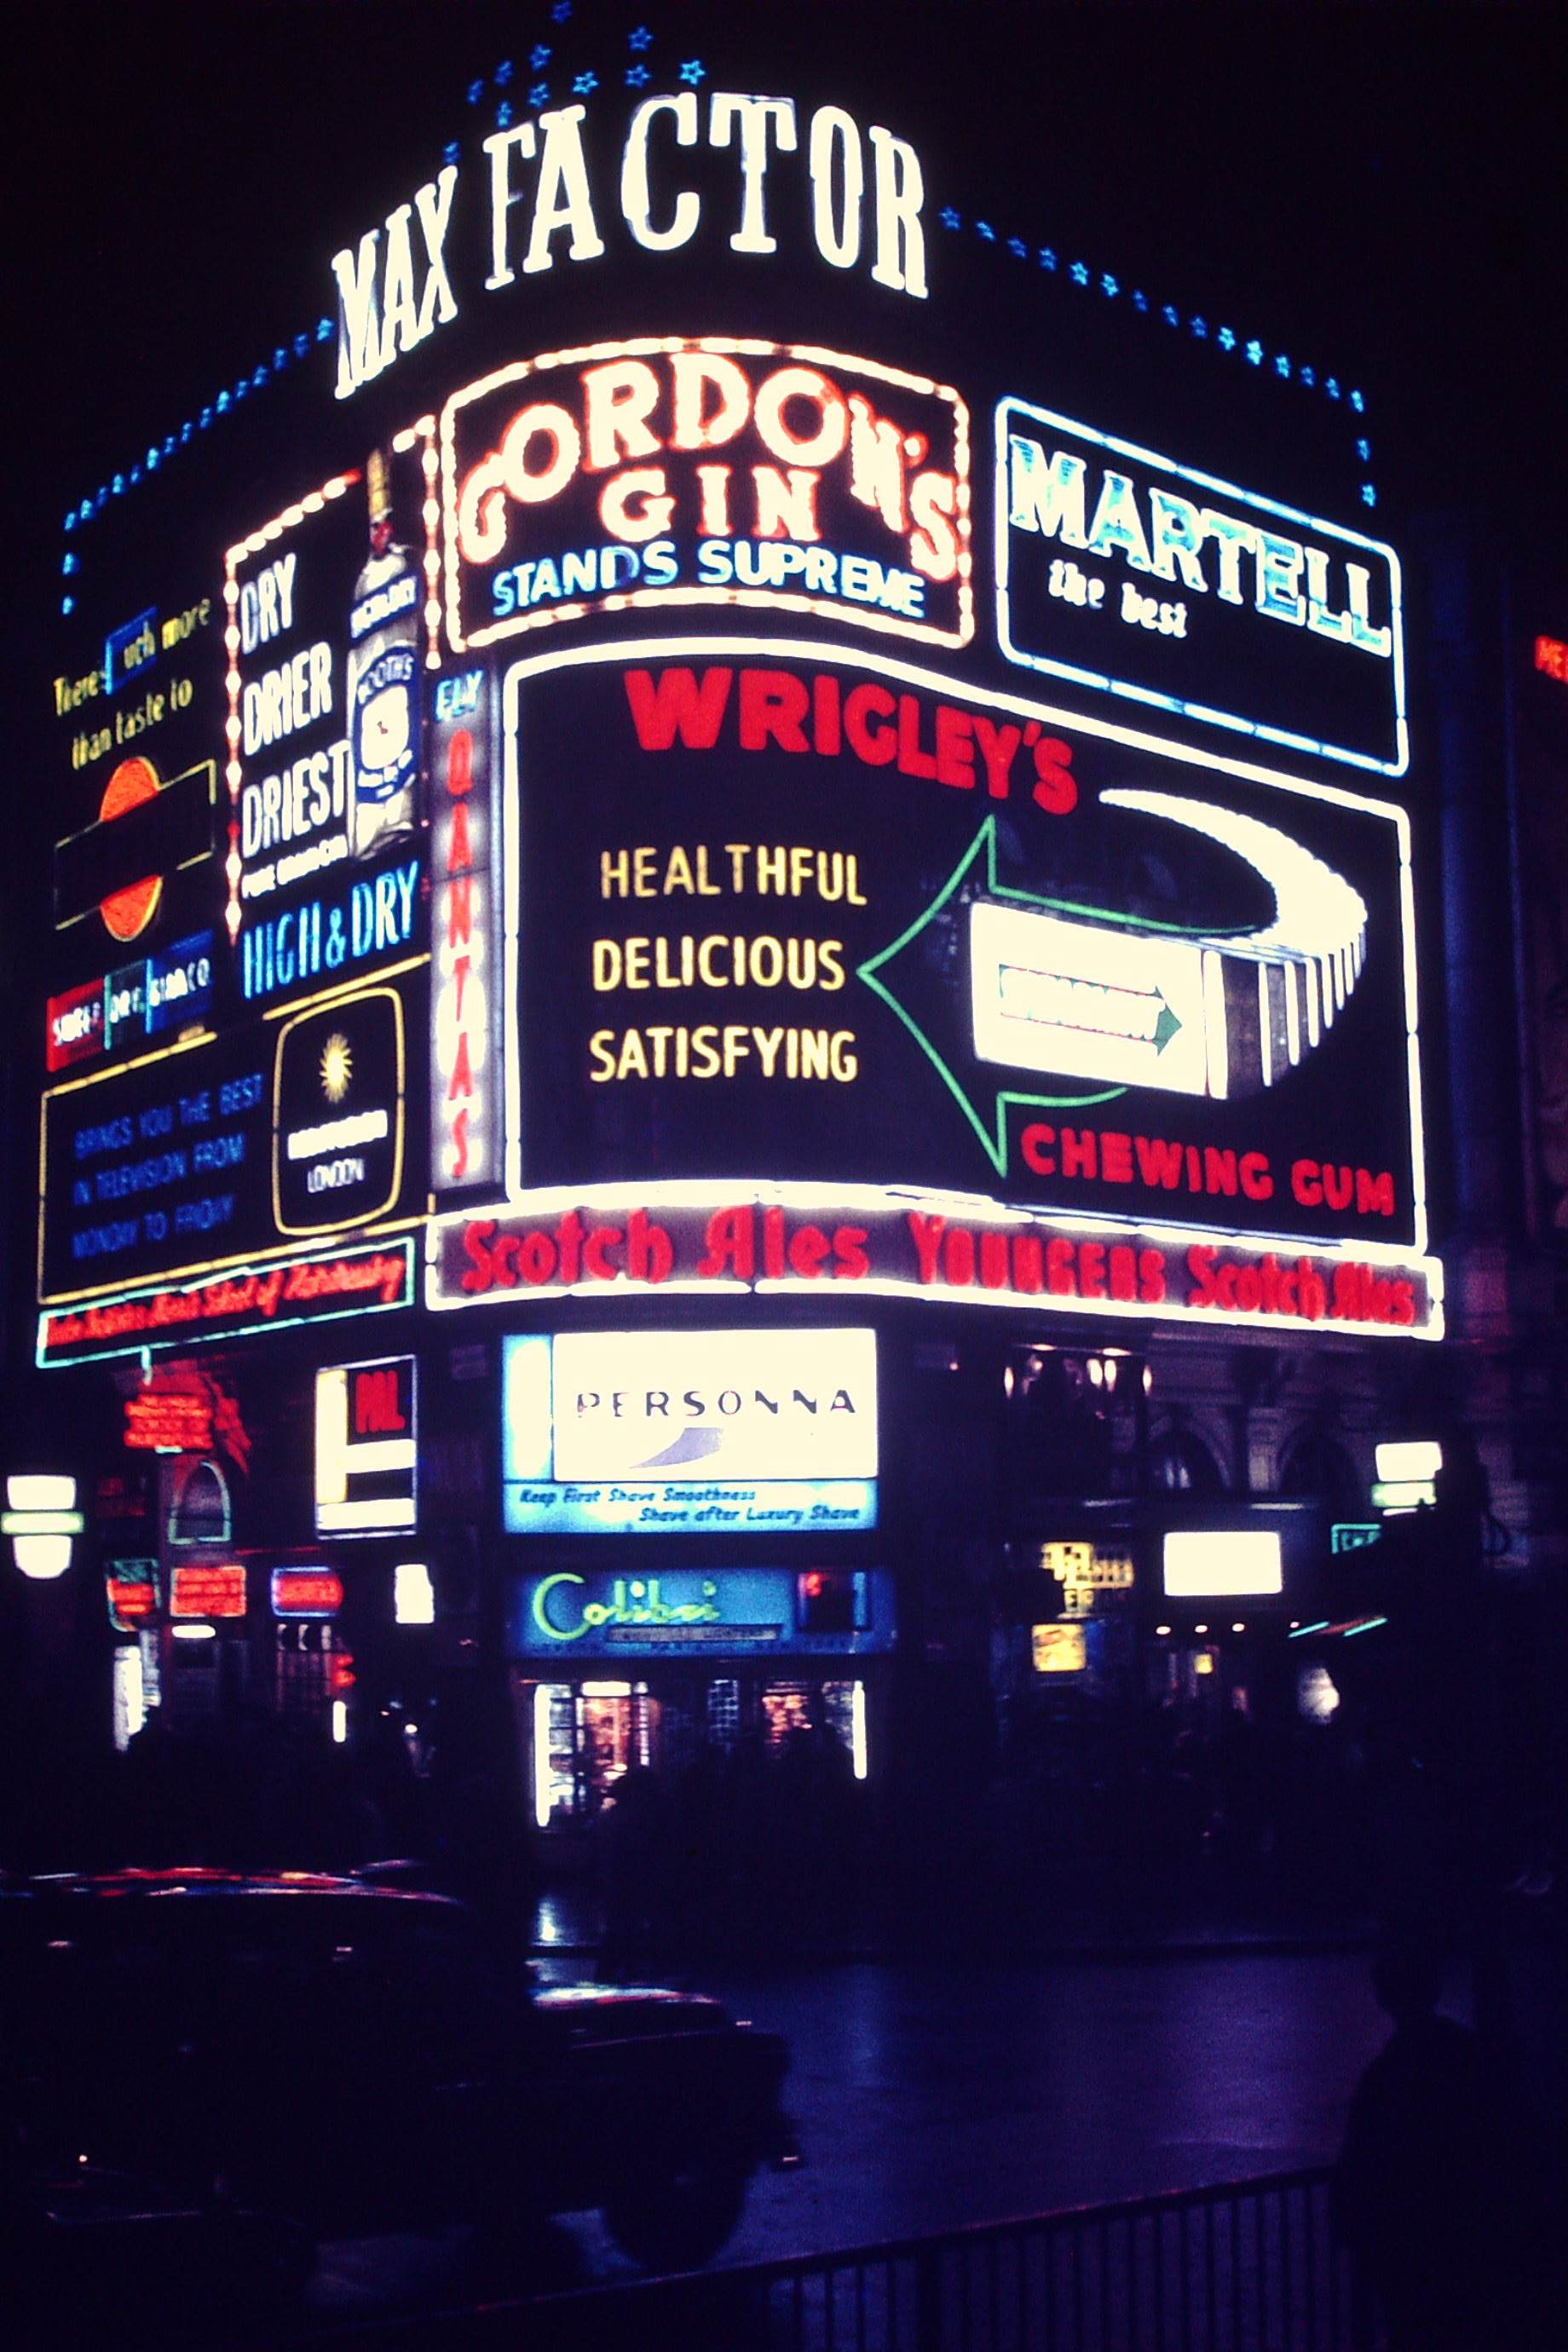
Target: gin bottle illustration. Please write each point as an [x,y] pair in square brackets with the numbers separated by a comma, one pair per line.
[383,680]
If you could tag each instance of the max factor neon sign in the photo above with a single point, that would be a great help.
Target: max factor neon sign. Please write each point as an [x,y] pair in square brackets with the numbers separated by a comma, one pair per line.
[394,288]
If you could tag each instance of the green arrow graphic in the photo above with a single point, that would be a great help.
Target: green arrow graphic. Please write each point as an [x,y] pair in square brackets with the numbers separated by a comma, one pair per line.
[994,1140]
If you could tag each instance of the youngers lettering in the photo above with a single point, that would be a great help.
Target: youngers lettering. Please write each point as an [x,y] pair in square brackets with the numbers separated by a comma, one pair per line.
[547,200]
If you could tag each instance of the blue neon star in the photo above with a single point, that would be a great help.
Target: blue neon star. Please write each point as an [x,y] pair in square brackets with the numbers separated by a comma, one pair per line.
[561,11]
[952,217]
[636,76]
[1015,246]
[1227,339]
[475,91]
[1306,375]
[693,71]
[539,55]
[641,39]
[450,152]
[1108,284]
[540,94]
[1080,273]
[1281,365]
[1332,386]
[1047,257]
[1363,451]
[1171,315]
[1357,403]
[1368,495]
[986,231]
[583,83]
[1140,300]
[68,603]
[504,113]
[1255,352]
[503,73]
[1199,327]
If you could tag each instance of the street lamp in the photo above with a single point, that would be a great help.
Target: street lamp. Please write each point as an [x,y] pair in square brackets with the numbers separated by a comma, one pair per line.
[41,1521]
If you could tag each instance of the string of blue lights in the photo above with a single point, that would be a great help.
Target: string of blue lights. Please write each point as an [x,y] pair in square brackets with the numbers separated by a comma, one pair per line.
[693,72]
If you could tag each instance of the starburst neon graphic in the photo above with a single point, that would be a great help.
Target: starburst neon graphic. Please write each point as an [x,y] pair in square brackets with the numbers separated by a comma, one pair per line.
[337,1067]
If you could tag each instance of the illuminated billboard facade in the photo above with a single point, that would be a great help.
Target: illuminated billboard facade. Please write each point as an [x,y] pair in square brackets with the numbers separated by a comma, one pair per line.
[701,721]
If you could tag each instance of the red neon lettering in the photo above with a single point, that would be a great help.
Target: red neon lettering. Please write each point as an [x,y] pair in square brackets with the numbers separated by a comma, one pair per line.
[376,1402]
[850,1261]
[926,1233]
[772,703]
[912,761]
[825,717]
[877,748]
[1158,1163]
[994,1261]
[732,1245]
[958,1255]
[954,747]
[1033,1142]
[460,764]
[650,1252]
[1056,788]
[807,1249]
[997,745]
[678,706]
[597,1258]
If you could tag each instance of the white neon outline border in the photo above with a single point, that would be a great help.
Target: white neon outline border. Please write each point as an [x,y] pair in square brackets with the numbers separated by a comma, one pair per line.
[1200,711]
[882,666]
[770,599]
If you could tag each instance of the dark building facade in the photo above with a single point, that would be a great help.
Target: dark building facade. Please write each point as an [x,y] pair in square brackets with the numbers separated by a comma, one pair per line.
[751,883]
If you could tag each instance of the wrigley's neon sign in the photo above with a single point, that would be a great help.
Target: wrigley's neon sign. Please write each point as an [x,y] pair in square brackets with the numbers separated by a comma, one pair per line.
[394,288]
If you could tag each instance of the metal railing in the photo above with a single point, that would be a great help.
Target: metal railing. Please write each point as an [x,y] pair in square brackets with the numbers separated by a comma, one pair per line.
[1248,2267]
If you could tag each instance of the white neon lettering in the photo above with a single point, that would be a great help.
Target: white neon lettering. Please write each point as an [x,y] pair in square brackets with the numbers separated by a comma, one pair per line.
[636,201]
[900,260]
[562,200]
[621,396]
[433,203]
[1047,497]
[836,142]
[753,114]
[359,332]
[693,371]
[499,148]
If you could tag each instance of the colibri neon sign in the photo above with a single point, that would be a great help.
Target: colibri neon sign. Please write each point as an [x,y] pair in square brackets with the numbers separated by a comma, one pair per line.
[707,472]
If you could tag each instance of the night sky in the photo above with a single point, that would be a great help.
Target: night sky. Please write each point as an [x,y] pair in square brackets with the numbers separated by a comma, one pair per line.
[1380,187]
[1381,183]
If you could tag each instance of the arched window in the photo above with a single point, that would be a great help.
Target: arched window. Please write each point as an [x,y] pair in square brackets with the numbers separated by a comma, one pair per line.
[1181,1464]
[1315,1465]
[199,1513]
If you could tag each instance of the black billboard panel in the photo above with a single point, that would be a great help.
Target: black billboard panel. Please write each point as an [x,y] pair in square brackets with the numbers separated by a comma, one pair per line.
[225,1147]
[831,919]
[1123,573]
[338,1095]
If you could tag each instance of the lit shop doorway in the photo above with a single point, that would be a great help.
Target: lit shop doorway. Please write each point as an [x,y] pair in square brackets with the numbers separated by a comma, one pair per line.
[586,1734]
